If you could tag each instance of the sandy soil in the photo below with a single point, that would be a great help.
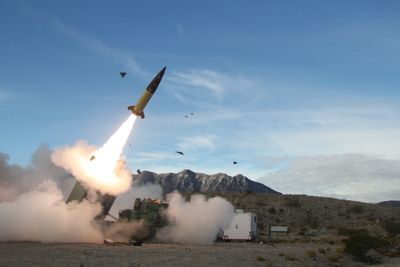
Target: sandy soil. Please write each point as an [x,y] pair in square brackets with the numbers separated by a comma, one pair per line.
[152,254]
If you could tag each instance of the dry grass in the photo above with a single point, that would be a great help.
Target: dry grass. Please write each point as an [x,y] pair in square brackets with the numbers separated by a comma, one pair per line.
[311,253]
[290,258]
[259,258]
[334,258]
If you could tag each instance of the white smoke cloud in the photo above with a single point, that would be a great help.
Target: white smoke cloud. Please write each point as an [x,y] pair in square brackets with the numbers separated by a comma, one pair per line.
[32,206]
[127,199]
[42,215]
[196,221]
[15,180]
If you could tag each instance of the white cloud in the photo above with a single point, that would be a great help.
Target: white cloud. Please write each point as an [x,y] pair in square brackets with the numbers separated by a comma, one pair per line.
[216,83]
[199,142]
[352,176]
[117,55]
[152,156]
[383,141]
[207,79]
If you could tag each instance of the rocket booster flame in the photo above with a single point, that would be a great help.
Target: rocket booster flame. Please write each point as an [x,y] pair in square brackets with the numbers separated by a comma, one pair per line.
[104,171]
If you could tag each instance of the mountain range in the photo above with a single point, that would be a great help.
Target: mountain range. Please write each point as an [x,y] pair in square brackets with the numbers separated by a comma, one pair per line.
[188,181]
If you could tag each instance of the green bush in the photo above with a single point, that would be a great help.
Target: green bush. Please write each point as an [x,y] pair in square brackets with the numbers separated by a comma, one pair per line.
[272,210]
[392,227]
[359,243]
[311,253]
[259,258]
[292,203]
[357,209]
[350,232]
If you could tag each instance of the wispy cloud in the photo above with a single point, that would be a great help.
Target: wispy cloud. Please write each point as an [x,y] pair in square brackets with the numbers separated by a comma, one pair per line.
[206,79]
[197,81]
[198,142]
[379,141]
[154,155]
[352,176]
[116,55]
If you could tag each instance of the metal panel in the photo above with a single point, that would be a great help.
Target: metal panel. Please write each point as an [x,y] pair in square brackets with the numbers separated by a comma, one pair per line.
[78,193]
[279,229]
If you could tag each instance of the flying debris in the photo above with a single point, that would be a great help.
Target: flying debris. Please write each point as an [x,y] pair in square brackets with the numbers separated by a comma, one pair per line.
[122,74]
[92,157]
[148,93]
[235,162]
[138,171]
[191,113]
[179,152]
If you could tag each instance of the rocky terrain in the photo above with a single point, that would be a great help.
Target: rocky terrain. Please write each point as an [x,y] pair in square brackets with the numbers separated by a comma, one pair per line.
[301,213]
[188,181]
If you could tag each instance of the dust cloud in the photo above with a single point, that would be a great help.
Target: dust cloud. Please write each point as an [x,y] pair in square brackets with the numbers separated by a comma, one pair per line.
[33,208]
[196,221]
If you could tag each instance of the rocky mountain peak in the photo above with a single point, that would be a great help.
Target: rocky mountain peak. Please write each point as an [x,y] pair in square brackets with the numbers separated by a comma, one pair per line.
[188,181]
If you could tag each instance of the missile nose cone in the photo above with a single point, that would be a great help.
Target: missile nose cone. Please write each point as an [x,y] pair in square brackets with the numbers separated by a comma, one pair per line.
[152,87]
[162,71]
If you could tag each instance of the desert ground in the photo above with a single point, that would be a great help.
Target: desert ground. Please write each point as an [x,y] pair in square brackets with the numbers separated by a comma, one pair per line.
[160,254]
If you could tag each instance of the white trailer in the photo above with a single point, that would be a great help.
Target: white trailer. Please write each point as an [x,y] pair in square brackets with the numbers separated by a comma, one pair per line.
[243,227]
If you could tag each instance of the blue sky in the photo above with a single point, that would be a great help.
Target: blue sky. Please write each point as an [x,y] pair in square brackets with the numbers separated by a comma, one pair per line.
[303,94]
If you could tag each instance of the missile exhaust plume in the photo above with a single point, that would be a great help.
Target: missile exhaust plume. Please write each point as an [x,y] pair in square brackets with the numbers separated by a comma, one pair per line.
[100,169]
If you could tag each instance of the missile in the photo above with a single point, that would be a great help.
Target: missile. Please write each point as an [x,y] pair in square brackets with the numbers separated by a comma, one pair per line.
[138,108]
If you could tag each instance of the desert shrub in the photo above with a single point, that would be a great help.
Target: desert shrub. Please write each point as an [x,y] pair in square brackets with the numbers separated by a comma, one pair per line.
[292,203]
[290,258]
[339,250]
[259,258]
[321,250]
[272,210]
[334,258]
[248,192]
[311,253]
[312,220]
[360,243]
[260,202]
[281,211]
[356,209]
[392,227]
[350,232]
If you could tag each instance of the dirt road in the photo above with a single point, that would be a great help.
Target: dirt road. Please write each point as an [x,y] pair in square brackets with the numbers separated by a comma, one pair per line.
[218,254]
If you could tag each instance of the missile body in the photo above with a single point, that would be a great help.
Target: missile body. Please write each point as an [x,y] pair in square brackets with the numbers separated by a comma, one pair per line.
[138,108]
